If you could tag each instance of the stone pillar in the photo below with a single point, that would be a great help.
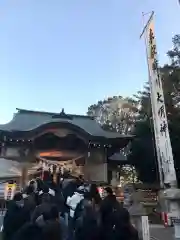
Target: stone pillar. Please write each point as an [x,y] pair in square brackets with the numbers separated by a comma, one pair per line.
[114,181]
[136,211]
[172,196]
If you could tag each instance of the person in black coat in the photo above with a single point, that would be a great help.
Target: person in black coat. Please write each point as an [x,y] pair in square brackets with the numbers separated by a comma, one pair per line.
[44,206]
[86,226]
[16,216]
[30,199]
[95,194]
[120,227]
[52,231]
[108,205]
[29,231]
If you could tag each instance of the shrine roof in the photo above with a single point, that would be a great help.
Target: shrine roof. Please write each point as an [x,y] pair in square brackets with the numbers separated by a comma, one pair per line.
[119,156]
[28,121]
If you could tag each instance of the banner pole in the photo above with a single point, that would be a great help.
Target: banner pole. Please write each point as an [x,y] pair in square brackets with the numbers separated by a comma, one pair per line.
[155,136]
[171,194]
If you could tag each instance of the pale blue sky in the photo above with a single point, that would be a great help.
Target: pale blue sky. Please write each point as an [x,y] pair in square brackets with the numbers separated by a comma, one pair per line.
[72,53]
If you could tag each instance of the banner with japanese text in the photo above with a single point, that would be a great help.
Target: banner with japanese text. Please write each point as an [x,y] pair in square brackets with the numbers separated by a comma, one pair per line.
[163,143]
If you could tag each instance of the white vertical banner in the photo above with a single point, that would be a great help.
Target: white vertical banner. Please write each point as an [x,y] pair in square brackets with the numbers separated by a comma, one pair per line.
[163,143]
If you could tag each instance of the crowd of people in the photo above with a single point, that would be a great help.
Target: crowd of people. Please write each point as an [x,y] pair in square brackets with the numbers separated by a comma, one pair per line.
[69,210]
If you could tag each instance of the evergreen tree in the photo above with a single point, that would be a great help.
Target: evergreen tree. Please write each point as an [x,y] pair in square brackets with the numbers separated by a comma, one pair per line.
[142,155]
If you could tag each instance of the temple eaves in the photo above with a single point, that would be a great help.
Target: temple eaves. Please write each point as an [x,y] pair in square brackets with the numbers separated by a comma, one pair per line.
[28,121]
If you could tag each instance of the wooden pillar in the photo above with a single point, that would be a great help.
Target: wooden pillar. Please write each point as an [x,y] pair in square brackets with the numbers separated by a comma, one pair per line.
[95,168]
[54,173]
[3,150]
[26,157]
[24,175]
[85,167]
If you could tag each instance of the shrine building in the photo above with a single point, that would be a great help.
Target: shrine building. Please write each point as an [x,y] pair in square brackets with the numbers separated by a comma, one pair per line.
[76,142]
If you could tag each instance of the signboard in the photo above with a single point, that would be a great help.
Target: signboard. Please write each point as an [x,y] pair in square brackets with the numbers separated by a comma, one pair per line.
[10,190]
[145,228]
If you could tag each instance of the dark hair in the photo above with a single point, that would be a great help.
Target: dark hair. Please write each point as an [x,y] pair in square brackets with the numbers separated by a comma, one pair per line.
[124,216]
[29,189]
[40,184]
[28,231]
[87,196]
[18,197]
[122,227]
[81,177]
[109,190]
[54,212]
[93,188]
[51,214]
[46,215]
[46,198]
[45,188]
[52,230]
[95,193]
[32,182]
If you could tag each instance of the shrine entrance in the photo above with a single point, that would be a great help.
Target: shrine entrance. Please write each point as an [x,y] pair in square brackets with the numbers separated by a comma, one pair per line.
[59,153]
[71,141]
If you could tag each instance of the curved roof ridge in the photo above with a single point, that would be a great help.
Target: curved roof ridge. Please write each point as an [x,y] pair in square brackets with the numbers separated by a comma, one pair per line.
[29,121]
[20,110]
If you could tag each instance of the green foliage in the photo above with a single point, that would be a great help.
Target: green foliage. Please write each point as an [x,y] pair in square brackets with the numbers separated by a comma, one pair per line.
[142,156]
